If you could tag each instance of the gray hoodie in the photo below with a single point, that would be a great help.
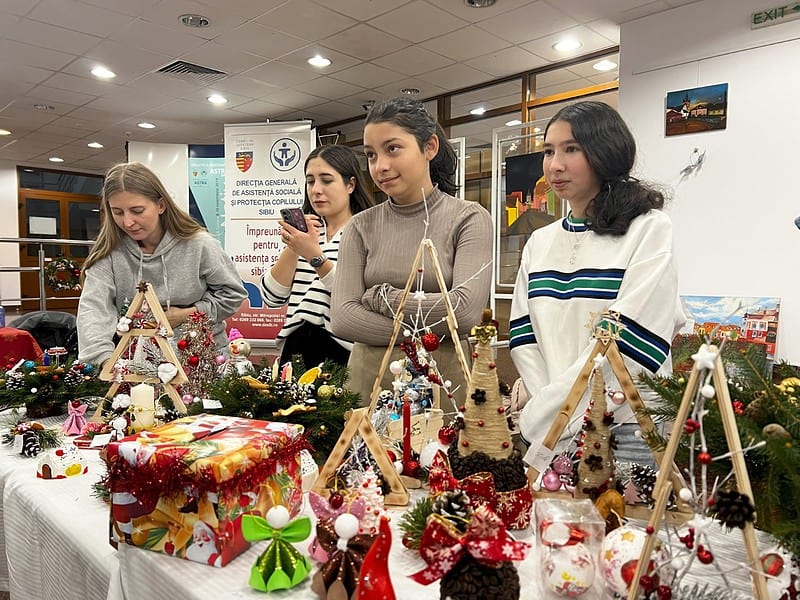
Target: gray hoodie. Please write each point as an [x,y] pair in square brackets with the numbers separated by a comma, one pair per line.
[183,272]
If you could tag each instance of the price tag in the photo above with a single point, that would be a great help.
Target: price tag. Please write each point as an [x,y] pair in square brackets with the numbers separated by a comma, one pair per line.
[211,404]
[17,446]
[539,458]
[100,440]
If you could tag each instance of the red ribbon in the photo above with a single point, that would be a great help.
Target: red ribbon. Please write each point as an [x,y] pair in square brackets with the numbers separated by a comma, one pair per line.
[486,540]
[478,486]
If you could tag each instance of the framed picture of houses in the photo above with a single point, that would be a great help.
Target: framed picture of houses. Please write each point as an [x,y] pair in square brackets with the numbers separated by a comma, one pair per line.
[696,110]
[742,321]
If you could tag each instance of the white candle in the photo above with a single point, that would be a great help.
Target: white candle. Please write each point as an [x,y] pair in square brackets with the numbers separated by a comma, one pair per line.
[143,405]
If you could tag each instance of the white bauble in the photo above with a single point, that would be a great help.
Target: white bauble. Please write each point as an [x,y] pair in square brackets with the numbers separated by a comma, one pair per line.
[429,452]
[619,556]
[568,570]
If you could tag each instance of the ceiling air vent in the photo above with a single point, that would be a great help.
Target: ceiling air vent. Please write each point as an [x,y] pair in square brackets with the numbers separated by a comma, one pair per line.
[191,72]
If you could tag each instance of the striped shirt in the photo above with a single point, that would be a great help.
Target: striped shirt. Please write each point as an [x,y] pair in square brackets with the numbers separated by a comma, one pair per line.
[309,297]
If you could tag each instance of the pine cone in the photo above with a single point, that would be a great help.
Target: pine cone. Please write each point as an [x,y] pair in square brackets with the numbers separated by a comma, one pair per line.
[455,506]
[72,378]
[732,509]
[30,444]
[171,414]
[643,478]
[15,382]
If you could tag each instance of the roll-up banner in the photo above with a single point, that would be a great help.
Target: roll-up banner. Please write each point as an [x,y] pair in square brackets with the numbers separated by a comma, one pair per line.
[263,174]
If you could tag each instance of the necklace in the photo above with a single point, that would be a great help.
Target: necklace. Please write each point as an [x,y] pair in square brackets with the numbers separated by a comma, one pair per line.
[576,243]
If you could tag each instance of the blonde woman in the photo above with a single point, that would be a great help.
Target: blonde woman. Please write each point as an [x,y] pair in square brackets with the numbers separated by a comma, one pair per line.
[145,236]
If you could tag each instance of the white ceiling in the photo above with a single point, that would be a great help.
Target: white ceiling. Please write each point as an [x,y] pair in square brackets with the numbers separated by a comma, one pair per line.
[48,48]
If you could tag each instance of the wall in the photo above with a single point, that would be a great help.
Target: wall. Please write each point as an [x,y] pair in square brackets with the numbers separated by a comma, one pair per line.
[9,228]
[734,230]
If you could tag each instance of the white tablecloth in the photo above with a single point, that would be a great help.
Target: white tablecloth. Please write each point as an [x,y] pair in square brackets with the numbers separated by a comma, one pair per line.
[54,534]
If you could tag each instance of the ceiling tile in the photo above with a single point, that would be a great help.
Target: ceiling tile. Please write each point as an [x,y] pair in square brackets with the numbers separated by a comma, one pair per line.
[307,20]
[292,98]
[52,37]
[413,61]
[260,109]
[17,7]
[155,38]
[367,75]
[223,58]
[134,8]
[260,40]
[278,73]
[339,61]
[52,95]
[119,58]
[591,41]
[456,76]
[507,62]
[608,29]
[360,10]
[527,23]
[405,22]
[330,88]
[222,18]
[392,90]
[79,17]
[243,86]
[474,15]
[16,75]
[365,42]
[465,43]
[35,56]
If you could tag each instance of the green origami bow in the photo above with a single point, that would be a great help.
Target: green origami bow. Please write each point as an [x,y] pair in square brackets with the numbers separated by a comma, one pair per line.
[281,566]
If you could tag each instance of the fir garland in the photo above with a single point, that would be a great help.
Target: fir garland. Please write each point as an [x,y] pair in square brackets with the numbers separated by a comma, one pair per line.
[63,275]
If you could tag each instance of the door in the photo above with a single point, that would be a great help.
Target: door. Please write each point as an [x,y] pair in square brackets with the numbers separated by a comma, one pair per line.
[55,215]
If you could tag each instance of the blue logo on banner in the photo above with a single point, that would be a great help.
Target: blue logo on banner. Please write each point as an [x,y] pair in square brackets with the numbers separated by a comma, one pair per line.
[284,154]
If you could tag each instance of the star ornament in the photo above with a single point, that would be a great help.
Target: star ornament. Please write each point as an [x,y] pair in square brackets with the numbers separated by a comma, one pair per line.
[142,286]
[705,358]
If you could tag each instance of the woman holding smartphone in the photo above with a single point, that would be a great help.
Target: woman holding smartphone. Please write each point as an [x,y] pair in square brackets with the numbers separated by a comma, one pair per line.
[301,277]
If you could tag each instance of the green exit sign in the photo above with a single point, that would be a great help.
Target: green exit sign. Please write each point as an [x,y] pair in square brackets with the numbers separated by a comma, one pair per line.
[773,16]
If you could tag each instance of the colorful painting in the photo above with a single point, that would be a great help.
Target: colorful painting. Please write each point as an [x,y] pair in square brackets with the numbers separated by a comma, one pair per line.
[697,109]
[741,320]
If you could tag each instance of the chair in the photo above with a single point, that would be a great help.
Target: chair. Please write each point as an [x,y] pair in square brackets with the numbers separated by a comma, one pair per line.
[51,328]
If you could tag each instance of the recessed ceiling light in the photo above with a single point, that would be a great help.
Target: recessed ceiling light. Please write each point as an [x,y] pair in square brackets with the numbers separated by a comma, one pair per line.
[604,65]
[217,99]
[479,3]
[318,61]
[55,159]
[29,170]
[567,45]
[94,145]
[102,73]
[40,106]
[410,91]
[196,21]
[5,132]
[513,122]
[146,125]
[478,111]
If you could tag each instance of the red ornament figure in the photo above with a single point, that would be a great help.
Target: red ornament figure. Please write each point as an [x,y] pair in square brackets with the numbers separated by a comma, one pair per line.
[430,341]
[374,582]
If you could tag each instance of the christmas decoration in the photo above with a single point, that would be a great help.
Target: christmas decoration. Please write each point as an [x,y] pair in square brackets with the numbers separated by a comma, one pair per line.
[413,522]
[181,488]
[596,463]
[142,348]
[619,556]
[75,420]
[364,485]
[197,354]
[61,463]
[264,395]
[339,576]
[45,391]
[374,582]
[238,353]
[63,275]
[460,556]
[29,437]
[484,440]
[281,566]
[328,510]
[569,571]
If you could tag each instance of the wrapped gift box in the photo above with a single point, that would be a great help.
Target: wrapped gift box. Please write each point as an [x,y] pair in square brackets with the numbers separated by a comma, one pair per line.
[181,489]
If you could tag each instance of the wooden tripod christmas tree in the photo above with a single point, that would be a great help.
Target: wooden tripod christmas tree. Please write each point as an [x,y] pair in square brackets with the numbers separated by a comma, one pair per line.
[607,346]
[360,421]
[158,329]
[707,365]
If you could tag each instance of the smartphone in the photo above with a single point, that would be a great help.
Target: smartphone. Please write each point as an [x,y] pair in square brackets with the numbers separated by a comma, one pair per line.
[294,217]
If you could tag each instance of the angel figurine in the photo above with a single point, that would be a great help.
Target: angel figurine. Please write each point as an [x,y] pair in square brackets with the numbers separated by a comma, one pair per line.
[281,566]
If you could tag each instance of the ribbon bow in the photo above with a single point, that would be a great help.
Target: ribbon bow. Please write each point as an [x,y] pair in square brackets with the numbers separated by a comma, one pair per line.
[478,486]
[75,420]
[280,566]
[255,529]
[486,540]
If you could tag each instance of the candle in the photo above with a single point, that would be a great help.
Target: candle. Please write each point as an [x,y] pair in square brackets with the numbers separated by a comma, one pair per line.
[46,359]
[143,406]
[406,434]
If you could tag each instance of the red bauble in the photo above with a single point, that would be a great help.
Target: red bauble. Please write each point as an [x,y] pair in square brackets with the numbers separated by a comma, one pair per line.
[704,458]
[772,564]
[169,547]
[430,341]
[447,435]
[413,468]
[704,555]
[392,456]
[194,360]
[335,500]
[664,592]
[183,344]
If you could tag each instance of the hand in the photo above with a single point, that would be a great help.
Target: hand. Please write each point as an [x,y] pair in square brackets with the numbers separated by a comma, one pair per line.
[302,243]
[176,315]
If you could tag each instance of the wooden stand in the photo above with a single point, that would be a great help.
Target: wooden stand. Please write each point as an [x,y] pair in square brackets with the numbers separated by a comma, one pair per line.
[361,422]
[607,346]
[663,486]
[145,293]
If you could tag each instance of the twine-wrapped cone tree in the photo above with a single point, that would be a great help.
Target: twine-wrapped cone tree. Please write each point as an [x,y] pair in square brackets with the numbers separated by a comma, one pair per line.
[596,466]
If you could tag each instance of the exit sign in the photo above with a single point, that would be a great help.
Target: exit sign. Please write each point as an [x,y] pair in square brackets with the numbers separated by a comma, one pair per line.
[773,16]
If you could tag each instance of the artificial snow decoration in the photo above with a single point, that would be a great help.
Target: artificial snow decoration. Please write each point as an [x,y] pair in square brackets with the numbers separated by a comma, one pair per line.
[60,463]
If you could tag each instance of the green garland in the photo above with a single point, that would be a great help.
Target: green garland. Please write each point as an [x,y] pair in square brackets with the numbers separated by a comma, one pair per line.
[63,275]
[327,395]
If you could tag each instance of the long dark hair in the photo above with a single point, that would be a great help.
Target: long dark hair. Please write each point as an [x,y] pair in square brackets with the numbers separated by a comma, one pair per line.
[412,116]
[345,161]
[610,149]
